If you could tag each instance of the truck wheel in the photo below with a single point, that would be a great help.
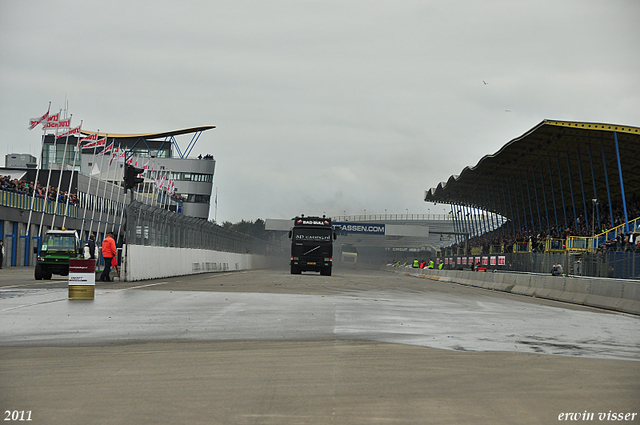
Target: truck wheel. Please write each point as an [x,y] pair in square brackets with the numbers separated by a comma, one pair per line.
[325,272]
[295,270]
[47,275]
[38,272]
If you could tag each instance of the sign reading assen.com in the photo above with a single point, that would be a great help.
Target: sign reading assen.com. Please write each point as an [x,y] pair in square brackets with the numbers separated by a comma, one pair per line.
[367,228]
[383,229]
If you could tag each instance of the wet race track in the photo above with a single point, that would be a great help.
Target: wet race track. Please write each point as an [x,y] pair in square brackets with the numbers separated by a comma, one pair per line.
[413,311]
[350,309]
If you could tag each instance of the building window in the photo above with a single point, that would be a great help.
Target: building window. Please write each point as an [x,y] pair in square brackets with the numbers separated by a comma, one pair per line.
[198,199]
[193,177]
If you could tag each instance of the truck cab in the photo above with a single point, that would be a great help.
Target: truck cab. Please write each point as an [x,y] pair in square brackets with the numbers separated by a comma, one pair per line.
[57,247]
[312,245]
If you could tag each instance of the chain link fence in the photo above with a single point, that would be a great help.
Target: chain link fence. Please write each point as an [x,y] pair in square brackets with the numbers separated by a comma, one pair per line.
[151,226]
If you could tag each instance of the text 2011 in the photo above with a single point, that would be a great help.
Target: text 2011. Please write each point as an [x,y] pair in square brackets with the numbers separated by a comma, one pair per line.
[17,415]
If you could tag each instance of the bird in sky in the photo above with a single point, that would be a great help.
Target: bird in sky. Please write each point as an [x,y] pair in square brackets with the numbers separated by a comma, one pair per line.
[485,83]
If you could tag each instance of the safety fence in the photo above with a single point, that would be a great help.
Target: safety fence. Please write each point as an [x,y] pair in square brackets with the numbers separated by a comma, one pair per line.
[612,264]
[151,226]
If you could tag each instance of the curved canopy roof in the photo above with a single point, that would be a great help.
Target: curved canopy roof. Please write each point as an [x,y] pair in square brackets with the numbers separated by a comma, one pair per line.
[151,136]
[554,162]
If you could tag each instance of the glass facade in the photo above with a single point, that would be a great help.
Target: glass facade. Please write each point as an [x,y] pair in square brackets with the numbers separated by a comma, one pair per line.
[143,152]
[54,153]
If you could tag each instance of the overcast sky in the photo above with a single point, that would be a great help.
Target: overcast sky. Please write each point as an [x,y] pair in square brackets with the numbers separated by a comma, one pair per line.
[321,106]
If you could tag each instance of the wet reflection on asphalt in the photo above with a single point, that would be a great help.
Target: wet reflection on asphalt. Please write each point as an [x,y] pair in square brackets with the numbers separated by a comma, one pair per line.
[437,320]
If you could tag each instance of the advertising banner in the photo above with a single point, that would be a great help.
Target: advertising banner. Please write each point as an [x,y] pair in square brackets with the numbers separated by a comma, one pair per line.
[361,228]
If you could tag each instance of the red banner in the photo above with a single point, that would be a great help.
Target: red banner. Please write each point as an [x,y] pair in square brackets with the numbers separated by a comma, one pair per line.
[70,132]
[97,143]
[107,149]
[91,138]
[52,121]
[64,123]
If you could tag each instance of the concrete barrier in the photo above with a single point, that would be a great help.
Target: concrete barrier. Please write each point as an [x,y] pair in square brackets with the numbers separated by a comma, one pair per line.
[152,262]
[611,294]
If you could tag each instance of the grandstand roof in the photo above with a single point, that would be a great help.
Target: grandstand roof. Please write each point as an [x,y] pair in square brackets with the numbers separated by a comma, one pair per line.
[150,136]
[516,179]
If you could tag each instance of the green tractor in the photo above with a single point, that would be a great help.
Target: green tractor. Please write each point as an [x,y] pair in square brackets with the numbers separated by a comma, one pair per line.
[58,246]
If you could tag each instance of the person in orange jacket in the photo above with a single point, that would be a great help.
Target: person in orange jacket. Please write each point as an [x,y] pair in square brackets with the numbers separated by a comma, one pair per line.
[108,252]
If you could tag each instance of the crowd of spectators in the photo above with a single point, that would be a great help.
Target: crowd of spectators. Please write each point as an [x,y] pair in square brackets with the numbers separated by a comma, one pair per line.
[515,232]
[26,187]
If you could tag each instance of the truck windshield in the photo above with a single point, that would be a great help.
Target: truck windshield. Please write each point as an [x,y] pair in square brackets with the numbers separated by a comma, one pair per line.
[312,235]
[58,243]
[312,243]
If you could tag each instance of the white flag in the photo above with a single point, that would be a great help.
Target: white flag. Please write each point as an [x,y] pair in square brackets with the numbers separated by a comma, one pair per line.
[33,122]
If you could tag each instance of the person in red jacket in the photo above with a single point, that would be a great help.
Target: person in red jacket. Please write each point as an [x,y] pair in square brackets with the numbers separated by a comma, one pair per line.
[108,252]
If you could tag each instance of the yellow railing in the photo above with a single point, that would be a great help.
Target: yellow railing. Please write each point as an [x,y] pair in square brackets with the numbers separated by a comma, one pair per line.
[496,249]
[554,245]
[611,234]
[23,202]
[579,243]
[522,247]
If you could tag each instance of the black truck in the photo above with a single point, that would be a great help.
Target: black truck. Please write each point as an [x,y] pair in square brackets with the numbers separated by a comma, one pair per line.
[312,245]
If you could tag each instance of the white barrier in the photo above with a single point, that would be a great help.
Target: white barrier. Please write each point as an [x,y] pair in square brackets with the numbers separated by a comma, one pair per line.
[612,294]
[153,262]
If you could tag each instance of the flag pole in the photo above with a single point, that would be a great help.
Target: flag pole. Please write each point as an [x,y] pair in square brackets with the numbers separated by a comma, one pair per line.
[73,169]
[163,189]
[171,190]
[158,187]
[115,173]
[64,158]
[35,182]
[156,177]
[115,211]
[93,161]
[46,190]
[104,194]
[95,202]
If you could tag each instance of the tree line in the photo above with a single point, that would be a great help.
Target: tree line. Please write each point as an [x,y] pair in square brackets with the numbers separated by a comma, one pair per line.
[255,229]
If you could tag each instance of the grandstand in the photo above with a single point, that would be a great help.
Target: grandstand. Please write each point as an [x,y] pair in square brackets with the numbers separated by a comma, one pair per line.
[568,189]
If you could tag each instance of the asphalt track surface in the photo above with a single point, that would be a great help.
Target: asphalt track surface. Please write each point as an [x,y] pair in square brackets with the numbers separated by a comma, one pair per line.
[267,347]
